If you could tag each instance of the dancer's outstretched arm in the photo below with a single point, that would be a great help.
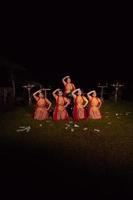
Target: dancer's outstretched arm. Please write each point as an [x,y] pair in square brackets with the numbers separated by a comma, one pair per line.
[89,94]
[86,102]
[67,102]
[35,93]
[63,80]
[73,93]
[100,103]
[54,92]
[49,103]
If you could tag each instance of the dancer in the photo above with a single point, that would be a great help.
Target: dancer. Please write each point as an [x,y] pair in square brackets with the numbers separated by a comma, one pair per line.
[80,102]
[69,86]
[60,112]
[94,105]
[42,106]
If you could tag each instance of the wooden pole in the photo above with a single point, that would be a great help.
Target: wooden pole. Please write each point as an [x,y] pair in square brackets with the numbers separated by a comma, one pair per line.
[116,86]
[102,89]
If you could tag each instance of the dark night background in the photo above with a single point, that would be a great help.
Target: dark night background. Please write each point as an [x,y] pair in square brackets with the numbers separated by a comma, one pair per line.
[90,50]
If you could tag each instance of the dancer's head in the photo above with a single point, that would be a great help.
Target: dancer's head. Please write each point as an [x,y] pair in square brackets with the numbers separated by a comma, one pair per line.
[68,80]
[94,94]
[41,95]
[60,93]
[79,92]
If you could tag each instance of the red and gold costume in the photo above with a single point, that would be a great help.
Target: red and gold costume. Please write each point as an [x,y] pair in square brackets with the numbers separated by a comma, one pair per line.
[69,87]
[94,111]
[41,112]
[79,111]
[60,112]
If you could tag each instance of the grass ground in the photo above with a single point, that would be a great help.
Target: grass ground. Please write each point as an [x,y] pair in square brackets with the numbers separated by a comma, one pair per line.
[99,151]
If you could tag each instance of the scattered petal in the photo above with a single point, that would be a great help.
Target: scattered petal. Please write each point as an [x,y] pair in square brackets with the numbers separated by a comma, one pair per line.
[18,130]
[24,129]
[109,123]
[40,125]
[68,125]
[72,129]
[85,129]
[28,129]
[96,130]
[76,125]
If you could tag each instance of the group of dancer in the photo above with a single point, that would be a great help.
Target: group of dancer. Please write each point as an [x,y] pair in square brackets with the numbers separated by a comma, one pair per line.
[71,102]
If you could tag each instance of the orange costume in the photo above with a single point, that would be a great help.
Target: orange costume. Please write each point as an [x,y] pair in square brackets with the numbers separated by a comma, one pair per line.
[94,111]
[69,87]
[60,111]
[41,112]
[79,111]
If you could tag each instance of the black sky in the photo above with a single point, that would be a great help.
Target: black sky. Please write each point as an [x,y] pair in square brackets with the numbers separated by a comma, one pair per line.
[95,49]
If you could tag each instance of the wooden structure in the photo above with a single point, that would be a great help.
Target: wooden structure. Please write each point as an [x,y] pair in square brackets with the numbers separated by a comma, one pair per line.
[5,92]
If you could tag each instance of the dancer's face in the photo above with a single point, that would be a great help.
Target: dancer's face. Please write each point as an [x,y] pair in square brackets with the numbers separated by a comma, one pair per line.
[41,95]
[94,94]
[68,80]
[60,93]
[79,93]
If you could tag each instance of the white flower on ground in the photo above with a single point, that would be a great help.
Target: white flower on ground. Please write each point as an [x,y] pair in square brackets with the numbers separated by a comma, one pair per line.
[72,129]
[96,130]
[85,129]
[28,129]
[68,125]
[76,125]
[24,128]
[109,123]
[116,114]
[40,125]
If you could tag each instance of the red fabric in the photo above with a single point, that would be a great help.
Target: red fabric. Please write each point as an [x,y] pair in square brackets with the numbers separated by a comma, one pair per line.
[56,110]
[66,89]
[94,111]
[75,111]
[41,112]
[98,101]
